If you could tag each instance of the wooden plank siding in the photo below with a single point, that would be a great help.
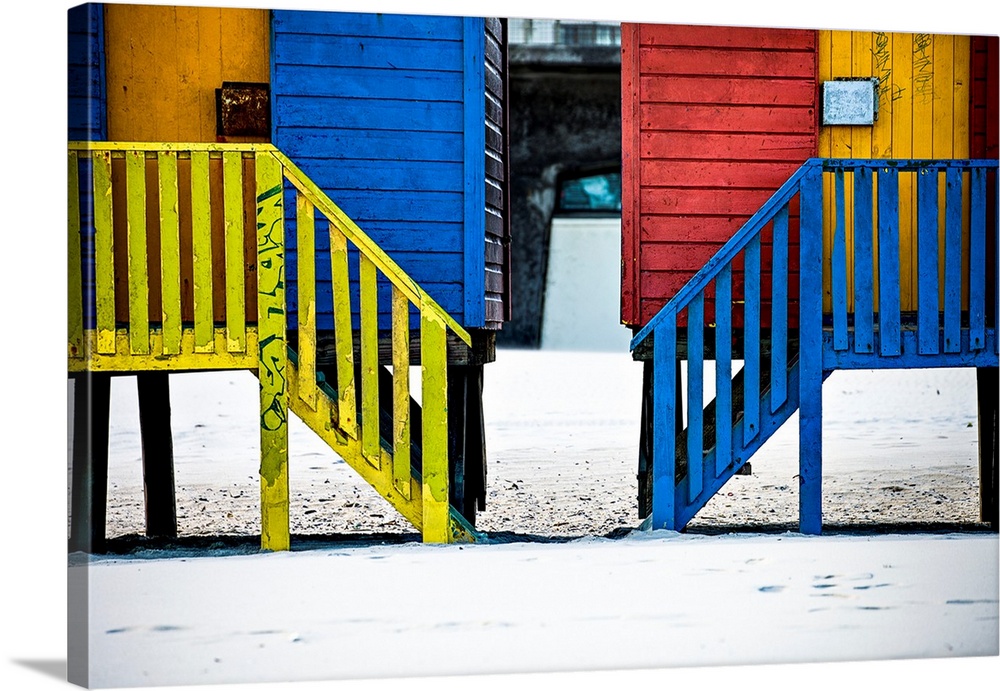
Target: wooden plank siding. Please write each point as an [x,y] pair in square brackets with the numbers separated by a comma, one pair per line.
[497,252]
[714,121]
[386,114]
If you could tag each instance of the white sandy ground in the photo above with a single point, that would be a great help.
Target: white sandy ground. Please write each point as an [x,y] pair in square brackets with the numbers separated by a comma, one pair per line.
[651,600]
[562,435]
[562,441]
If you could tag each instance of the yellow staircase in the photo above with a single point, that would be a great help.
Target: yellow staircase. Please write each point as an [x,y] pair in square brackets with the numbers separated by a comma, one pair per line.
[149,291]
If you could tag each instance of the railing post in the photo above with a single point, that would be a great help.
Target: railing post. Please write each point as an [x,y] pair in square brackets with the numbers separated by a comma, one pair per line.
[779,310]
[977,261]
[273,355]
[811,352]
[953,261]
[838,265]
[138,270]
[75,331]
[888,262]
[723,370]
[928,334]
[696,393]
[751,340]
[434,395]
[864,262]
[201,251]
[104,253]
[305,228]
[232,209]
[664,432]
[170,251]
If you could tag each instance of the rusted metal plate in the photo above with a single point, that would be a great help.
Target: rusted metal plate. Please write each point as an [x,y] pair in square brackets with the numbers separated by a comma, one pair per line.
[243,109]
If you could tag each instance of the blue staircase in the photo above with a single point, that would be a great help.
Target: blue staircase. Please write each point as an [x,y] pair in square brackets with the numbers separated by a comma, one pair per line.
[790,336]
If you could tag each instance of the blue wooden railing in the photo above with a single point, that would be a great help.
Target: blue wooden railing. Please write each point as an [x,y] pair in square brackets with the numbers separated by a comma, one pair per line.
[692,461]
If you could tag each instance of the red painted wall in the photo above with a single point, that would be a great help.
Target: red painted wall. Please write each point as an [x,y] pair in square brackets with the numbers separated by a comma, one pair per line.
[714,120]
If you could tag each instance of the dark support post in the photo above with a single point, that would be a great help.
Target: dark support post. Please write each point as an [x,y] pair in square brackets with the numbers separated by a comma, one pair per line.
[457,409]
[157,454]
[645,474]
[89,484]
[646,432]
[475,446]
[986,384]
[466,440]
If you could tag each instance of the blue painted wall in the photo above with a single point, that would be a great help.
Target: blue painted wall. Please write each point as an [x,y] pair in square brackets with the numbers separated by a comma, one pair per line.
[386,113]
[87,118]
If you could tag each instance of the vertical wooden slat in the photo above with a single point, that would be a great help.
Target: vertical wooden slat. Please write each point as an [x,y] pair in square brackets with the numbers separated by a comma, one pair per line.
[953,260]
[811,354]
[696,359]
[977,261]
[232,205]
[723,370]
[170,252]
[434,400]
[74,256]
[104,253]
[138,270]
[664,431]
[901,118]
[343,333]
[201,241]
[751,342]
[927,262]
[864,262]
[273,355]
[779,310]
[841,61]
[838,266]
[369,362]
[401,392]
[305,228]
[888,261]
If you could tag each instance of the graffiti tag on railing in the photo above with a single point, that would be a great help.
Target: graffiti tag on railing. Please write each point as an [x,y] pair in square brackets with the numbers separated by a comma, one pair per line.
[272,349]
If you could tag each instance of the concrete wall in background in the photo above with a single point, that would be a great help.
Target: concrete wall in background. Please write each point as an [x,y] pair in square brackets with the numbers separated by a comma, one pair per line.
[565,115]
[582,287]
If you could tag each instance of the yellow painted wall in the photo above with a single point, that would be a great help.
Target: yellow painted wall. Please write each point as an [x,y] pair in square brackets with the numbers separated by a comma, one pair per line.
[165,63]
[923,112]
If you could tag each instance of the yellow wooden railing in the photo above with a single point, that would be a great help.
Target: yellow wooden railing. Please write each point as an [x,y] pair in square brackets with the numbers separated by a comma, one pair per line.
[166,301]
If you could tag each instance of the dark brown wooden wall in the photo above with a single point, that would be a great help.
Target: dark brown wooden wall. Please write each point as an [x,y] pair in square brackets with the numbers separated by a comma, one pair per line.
[498,305]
